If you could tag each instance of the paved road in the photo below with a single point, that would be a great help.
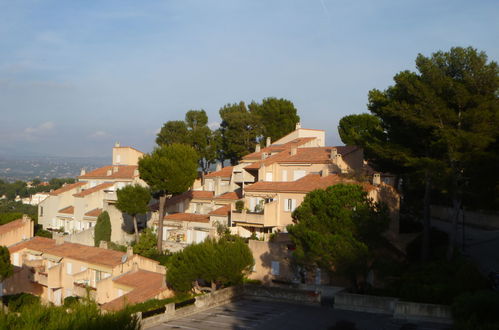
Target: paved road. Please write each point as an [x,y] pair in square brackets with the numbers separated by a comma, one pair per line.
[480,244]
[253,314]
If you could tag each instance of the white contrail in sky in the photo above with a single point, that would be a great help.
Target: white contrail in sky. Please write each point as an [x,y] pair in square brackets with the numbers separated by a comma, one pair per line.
[326,11]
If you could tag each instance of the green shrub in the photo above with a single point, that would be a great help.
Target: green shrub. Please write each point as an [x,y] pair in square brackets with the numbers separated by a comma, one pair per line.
[102,228]
[19,301]
[476,311]
[70,301]
[117,247]
[42,232]
[157,303]
[239,205]
[147,245]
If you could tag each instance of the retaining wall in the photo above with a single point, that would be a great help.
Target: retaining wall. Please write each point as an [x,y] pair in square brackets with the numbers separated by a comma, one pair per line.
[478,219]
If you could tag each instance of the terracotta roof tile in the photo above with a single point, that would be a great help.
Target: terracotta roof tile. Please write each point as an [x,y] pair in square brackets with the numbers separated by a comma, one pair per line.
[67,187]
[225,172]
[279,147]
[303,185]
[231,195]
[147,285]
[93,213]
[36,243]
[13,225]
[316,154]
[89,191]
[221,211]
[67,210]
[116,172]
[191,194]
[85,253]
[191,217]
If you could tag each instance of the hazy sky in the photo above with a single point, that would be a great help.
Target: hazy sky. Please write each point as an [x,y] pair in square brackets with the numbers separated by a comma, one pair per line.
[75,76]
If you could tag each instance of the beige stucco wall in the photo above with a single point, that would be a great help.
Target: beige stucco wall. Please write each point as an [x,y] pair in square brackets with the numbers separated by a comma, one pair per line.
[302,133]
[126,156]
[18,234]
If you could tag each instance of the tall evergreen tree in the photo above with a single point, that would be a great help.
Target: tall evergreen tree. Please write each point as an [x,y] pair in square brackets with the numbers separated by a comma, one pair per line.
[102,231]
[6,268]
[133,200]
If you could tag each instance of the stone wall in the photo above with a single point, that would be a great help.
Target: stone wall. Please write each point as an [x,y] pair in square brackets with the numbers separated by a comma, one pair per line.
[282,294]
[85,237]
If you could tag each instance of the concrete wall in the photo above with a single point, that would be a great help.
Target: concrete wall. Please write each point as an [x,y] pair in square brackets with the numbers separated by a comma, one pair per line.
[478,219]
[85,237]
[282,294]
[21,230]
[392,306]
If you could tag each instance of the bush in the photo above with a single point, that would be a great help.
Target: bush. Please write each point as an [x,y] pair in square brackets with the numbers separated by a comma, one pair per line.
[70,301]
[147,245]
[18,301]
[239,205]
[117,247]
[42,232]
[102,228]
[157,303]
[476,311]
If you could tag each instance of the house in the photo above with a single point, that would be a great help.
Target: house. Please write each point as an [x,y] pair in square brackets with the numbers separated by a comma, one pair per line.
[74,208]
[16,231]
[54,270]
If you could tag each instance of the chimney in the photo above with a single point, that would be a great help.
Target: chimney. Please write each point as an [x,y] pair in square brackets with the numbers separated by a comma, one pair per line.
[115,169]
[26,218]
[109,172]
[264,155]
[257,148]
[325,172]
[103,245]
[334,152]
[376,179]
[293,151]
[268,141]
[218,167]
[129,251]
[136,172]
[135,267]
[83,172]
[298,125]
[117,144]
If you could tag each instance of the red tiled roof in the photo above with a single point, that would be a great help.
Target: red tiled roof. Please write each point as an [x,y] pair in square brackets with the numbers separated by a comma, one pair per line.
[147,285]
[191,217]
[232,195]
[221,211]
[89,191]
[225,172]
[122,172]
[303,185]
[85,253]
[67,210]
[191,194]
[316,154]
[37,243]
[93,213]
[67,187]
[11,226]
[279,147]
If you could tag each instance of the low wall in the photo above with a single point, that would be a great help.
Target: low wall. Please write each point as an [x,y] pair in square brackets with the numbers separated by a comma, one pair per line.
[282,294]
[478,219]
[364,303]
[85,237]
[392,306]
[427,312]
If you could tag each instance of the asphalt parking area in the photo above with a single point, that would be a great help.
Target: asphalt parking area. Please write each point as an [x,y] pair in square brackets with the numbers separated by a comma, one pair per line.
[255,314]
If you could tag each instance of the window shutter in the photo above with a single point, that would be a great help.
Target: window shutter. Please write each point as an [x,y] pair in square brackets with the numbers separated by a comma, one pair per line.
[286,204]
[293,205]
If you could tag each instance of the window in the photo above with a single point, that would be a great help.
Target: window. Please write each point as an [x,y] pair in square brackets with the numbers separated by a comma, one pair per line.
[41,211]
[284,175]
[69,268]
[289,205]
[15,256]
[275,268]
[268,176]
[118,159]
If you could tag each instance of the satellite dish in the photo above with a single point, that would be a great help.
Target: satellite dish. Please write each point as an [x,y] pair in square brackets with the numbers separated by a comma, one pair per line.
[124,258]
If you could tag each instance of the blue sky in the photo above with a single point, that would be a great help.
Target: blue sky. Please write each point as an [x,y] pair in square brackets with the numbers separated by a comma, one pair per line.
[75,76]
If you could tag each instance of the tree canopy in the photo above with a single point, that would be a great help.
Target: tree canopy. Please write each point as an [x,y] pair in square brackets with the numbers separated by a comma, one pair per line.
[359,130]
[337,229]
[220,263]
[6,268]
[133,200]
[102,231]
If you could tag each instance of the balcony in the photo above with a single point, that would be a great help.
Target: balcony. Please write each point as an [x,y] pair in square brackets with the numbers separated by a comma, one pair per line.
[41,278]
[267,218]
[82,289]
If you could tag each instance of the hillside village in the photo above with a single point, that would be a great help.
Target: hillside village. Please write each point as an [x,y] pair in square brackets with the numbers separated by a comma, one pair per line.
[271,183]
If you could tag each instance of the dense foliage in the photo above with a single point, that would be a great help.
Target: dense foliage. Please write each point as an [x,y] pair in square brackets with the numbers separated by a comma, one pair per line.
[133,199]
[6,268]
[20,188]
[147,245]
[80,316]
[102,228]
[337,229]
[476,311]
[222,262]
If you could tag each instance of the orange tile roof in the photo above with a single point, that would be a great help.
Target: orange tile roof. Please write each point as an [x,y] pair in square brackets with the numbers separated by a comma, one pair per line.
[221,211]
[89,191]
[67,187]
[303,185]
[225,172]
[316,154]
[123,172]
[231,195]
[94,213]
[279,147]
[67,210]
[85,253]
[191,217]
[147,285]
[36,243]
[13,225]
[191,194]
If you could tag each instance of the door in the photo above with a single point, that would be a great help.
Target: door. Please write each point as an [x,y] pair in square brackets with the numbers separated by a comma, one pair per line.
[57,297]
